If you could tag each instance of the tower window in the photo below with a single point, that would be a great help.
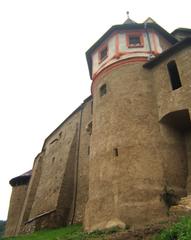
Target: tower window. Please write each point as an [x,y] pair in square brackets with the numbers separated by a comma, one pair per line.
[103,90]
[134,39]
[92,107]
[115,152]
[103,53]
[174,75]
[88,150]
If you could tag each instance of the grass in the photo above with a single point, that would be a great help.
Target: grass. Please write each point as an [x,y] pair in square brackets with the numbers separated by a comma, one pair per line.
[74,232]
[178,231]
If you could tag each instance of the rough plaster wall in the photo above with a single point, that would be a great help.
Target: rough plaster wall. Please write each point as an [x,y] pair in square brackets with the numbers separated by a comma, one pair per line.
[15,208]
[174,159]
[175,155]
[57,150]
[83,167]
[60,216]
[188,149]
[125,188]
[66,199]
[60,178]
[167,99]
[30,196]
[163,42]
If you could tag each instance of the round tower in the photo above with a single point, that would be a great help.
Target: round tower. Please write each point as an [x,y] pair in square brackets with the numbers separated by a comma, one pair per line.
[126,176]
[19,188]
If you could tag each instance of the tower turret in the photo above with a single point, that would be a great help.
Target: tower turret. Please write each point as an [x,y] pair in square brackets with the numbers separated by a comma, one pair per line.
[129,41]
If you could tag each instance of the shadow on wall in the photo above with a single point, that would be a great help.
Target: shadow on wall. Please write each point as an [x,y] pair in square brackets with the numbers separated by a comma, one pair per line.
[179,120]
[177,127]
[2,228]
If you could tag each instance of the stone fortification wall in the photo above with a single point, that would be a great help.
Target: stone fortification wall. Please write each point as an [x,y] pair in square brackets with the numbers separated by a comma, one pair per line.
[30,195]
[83,164]
[126,168]
[174,108]
[15,208]
[60,176]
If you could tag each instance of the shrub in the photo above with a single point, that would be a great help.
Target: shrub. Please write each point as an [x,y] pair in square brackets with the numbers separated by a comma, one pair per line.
[178,231]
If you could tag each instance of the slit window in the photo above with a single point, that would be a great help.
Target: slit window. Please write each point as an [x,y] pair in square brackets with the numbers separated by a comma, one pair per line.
[115,152]
[103,90]
[92,107]
[174,75]
[88,150]
[103,53]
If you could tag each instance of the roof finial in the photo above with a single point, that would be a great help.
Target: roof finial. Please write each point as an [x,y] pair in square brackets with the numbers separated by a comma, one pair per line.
[127,14]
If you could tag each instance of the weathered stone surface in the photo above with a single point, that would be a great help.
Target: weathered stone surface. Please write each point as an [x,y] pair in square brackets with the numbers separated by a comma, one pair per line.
[183,208]
[123,159]
[15,208]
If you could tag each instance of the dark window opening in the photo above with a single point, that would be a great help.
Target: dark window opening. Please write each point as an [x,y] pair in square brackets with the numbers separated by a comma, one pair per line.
[115,151]
[92,107]
[134,40]
[174,75]
[103,53]
[88,150]
[103,90]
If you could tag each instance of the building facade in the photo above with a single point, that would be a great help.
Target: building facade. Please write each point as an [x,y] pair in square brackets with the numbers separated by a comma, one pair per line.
[123,157]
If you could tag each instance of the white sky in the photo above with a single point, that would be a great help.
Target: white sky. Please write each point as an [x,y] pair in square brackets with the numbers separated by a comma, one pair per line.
[43,70]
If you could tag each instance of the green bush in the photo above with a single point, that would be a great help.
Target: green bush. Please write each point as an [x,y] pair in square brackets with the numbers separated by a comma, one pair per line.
[178,231]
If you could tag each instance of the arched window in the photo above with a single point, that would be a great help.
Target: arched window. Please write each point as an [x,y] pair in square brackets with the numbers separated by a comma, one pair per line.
[174,75]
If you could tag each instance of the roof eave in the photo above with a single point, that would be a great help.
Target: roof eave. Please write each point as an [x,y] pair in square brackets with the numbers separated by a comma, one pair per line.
[177,47]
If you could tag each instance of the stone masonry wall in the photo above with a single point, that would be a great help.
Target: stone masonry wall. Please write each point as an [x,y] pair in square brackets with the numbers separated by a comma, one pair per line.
[62,175]
[126,173]
[83,166]
[15,208]
[30,196]
[174,106]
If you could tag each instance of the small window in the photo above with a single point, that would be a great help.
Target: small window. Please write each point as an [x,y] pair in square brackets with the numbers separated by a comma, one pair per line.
[103,53]
[115,152]
[92,107]
[174,75]
[135,40]
[103,90]
[88,150]
[89,128]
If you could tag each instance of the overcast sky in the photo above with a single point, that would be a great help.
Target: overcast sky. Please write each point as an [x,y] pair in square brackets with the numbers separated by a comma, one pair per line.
[43,70]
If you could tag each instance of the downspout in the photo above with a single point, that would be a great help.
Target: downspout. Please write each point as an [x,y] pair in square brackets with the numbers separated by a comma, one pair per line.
[149,42]
[77,167]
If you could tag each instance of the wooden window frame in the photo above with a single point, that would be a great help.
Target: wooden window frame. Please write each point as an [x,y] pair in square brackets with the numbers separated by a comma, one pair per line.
[99,53]
[135,34]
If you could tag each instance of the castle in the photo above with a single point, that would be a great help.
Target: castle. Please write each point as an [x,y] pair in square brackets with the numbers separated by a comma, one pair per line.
[123,157]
